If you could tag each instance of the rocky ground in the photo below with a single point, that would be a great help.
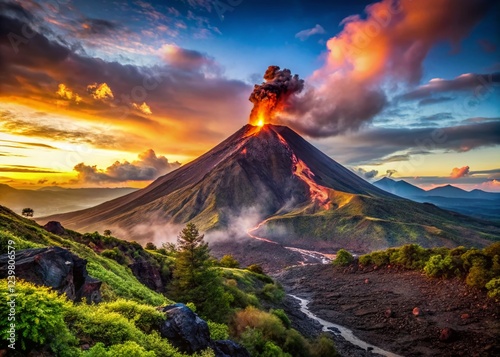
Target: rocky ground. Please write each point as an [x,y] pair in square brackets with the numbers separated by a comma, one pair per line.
[398,310]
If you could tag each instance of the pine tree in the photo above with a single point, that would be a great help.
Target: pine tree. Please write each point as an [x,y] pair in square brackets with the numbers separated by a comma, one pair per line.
[195,279]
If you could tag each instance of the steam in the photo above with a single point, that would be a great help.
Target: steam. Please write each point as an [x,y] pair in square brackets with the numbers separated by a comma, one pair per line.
[273,95]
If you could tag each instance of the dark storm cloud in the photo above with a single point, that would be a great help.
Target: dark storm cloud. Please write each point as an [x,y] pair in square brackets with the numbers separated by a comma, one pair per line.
[99,27]
[364,173]
[147,167]
[477,84]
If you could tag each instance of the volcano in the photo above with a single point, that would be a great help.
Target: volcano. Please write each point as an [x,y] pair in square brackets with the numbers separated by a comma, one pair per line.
[294,194]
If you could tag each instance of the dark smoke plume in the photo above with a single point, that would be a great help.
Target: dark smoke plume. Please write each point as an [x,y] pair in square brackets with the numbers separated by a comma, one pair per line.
[271,97]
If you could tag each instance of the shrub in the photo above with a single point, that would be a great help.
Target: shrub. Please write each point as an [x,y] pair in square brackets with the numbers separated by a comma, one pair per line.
[127,349]
[145,317]
[380,258]
[343,258]
[114,254]
[150,246]
[323,347]
[256,268]
[280,313]
[39,318]
[229,261]
[273,292]
[411,256]
[478,276]
[437,266]
[218,331]
[493,287]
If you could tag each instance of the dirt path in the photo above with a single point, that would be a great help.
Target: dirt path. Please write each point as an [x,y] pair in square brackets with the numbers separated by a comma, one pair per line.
[378,306]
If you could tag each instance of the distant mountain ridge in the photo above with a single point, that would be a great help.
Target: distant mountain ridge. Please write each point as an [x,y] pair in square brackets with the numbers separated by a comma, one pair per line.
[269,183]
[476,203]
[54,199]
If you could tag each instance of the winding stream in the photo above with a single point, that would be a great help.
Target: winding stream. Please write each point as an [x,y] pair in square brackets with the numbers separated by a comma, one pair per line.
[347,334]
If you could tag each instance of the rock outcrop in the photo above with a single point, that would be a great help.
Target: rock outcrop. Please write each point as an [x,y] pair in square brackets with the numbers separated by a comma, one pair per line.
[57,268]
[148,274]
[189,333]
[55,227]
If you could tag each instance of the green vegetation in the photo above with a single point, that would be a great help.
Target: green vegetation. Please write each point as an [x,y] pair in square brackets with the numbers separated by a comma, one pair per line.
[266,334]
[126,323]
[343,258]
[196,279]
[479,267]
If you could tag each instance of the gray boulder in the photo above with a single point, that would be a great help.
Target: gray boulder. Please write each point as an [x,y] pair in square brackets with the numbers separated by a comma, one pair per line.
[57,268]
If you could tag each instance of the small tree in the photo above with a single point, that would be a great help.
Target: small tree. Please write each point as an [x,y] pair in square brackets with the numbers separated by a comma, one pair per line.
[107,233]
[194,278]
[150,246]
[28,212]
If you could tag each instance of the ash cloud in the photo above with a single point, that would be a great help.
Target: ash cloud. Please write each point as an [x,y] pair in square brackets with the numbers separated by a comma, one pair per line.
[273,95]
[147,167]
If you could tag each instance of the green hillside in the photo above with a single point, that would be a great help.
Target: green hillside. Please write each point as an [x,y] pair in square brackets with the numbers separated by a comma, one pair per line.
[126,322]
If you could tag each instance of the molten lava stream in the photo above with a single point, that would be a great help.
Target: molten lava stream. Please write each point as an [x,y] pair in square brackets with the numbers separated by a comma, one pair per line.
[249,232]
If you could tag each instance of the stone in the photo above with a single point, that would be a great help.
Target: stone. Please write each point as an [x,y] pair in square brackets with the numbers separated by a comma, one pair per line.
[184,329]
[55,227]
[228,348]
[389,313]
[447,334]
[57,268]
[465,316]
[416,311]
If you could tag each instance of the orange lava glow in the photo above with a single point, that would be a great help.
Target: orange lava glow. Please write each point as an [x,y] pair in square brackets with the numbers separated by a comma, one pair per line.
[318,193]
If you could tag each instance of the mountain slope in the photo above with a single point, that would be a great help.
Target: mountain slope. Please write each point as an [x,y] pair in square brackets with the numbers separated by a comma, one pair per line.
[299,195]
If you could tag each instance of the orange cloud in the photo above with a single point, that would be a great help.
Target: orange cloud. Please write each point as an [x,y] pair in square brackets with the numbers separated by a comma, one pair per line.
[459,172]
[143,108]
[386,47]
[100,91]
[67,94]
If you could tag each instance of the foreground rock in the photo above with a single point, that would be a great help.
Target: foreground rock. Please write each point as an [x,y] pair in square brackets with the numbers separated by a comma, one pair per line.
[189,333]
[55,227]
[57,268]
[340,295]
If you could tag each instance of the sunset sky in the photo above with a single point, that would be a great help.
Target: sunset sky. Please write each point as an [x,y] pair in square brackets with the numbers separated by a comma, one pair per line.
[117,93]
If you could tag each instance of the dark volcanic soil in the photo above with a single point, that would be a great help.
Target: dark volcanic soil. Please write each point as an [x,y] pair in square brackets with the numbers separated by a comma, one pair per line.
[378,306]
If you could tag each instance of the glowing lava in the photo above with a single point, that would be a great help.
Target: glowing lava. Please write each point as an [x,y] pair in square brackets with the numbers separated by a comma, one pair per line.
[260,123]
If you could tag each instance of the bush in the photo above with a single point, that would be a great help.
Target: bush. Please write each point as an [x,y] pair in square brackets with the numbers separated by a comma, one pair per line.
[323,347]
[39,318]
[150,246]
[145,317]
[273,292]
[343,258]
[127,349]
[280,313]
[478,276]
[228,261]
[437,266]
[493,287]
[114,254]
[411,256]
[218,331]
[256,268]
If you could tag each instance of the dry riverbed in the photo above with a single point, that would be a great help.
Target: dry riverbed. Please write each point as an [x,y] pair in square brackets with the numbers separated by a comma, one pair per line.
[379,307]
